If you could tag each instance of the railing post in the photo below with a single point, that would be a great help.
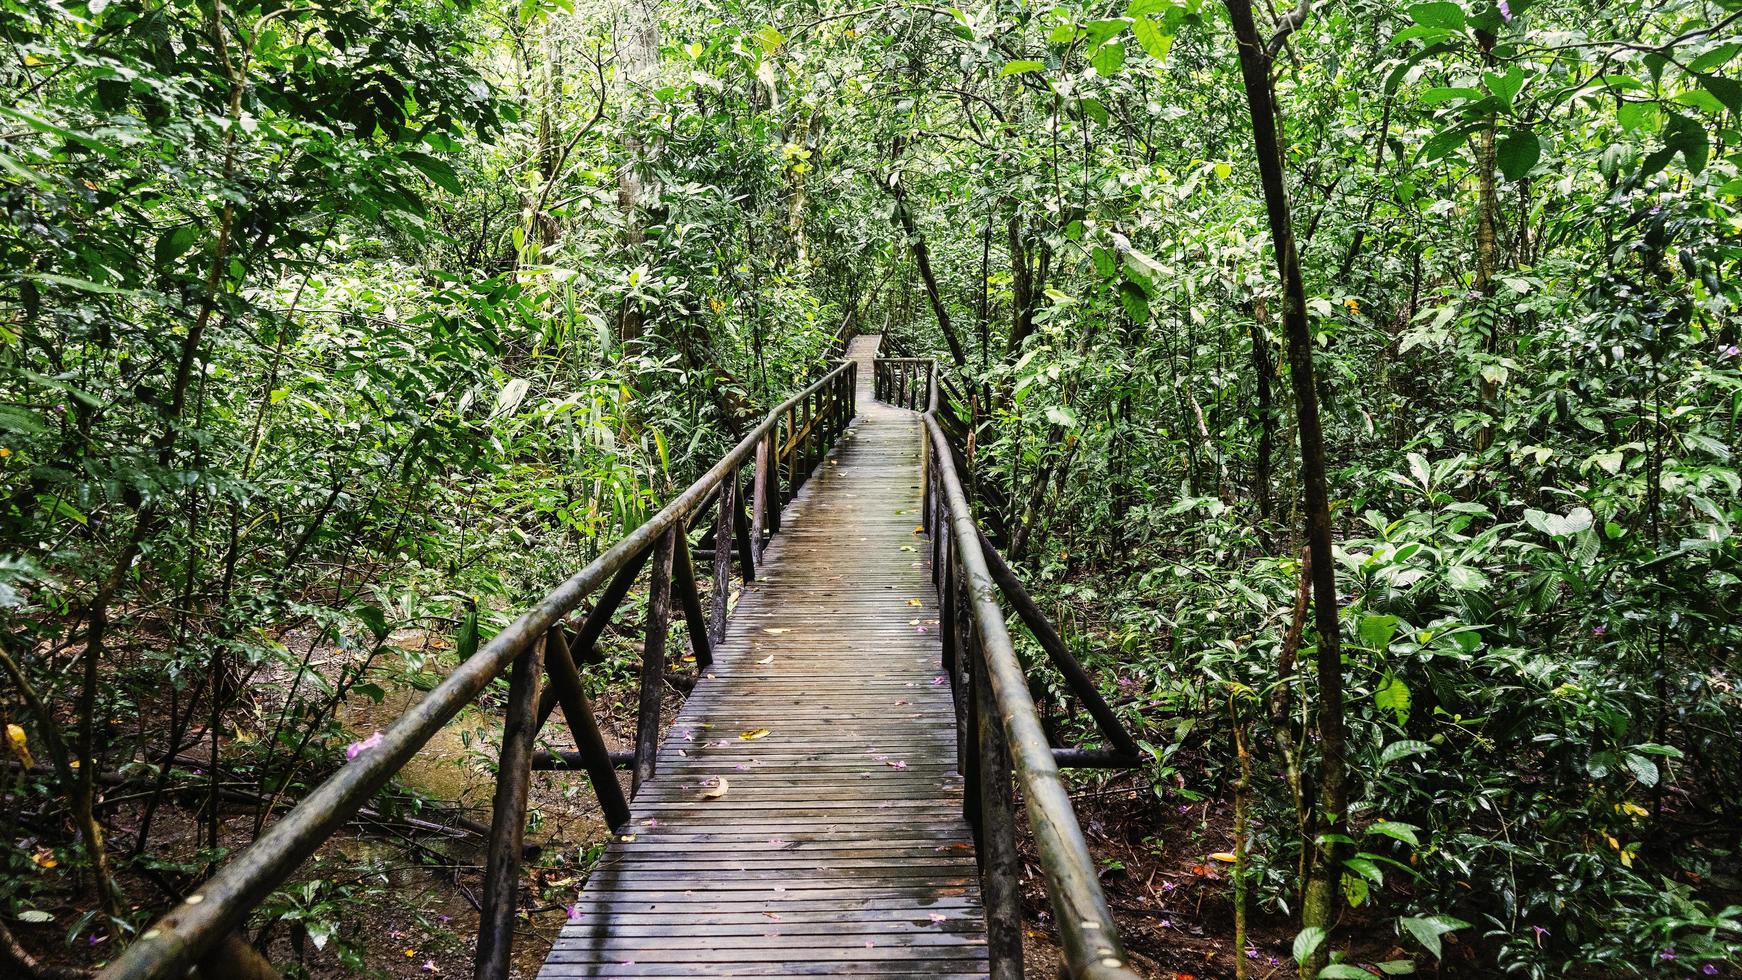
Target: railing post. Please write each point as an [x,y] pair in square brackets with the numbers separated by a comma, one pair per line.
[771,492]
[967,664]
[683,566]
[741,539]
[653,660]
[1000,866]
[508,819]
[789,455]
[565,680]
[724,539]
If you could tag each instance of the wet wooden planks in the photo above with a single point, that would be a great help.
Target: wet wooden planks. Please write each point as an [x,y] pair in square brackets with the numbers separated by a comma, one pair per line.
[838,847]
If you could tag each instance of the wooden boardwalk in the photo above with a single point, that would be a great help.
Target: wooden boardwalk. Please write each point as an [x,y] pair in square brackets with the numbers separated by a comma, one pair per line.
[806,818]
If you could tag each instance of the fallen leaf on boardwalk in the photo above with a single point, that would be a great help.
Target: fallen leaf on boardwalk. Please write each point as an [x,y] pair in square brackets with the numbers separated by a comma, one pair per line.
[915,602]
[767,660]
[936,917]
[913,622]
[715,791]
[1226,857]
[753,734]
[900,703]
[907,547]
[919,530]
[940,679]
[777,630]
[898,764]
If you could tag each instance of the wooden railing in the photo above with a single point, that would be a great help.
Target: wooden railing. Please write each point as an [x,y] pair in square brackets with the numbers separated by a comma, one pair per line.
[999,734]
[539,649]
[904,381]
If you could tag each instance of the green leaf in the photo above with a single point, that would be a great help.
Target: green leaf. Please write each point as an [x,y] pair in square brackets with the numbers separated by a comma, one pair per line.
[438,171]
[1377,631]
[1139,8]
[373,618]
[1506,86]
[1402,749]
[1517,153]
[1397,831]
[1109,59]
[1465,578]
[1428,929]
[1355,891]
[1643,769]
[1344,971]
[1020,68]
[1725,90]
[1307,941]
[1443,15]
[1393,696]
[1149,34]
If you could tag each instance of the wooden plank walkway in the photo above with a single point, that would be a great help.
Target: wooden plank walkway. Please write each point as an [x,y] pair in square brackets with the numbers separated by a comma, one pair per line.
[838,847]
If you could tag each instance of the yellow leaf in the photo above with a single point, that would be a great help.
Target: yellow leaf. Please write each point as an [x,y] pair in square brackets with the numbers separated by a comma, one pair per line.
[753,734]
[776,630]
[1226,857]
[767,660]
[915,602]
[714,792]
[20,745]
[919,530]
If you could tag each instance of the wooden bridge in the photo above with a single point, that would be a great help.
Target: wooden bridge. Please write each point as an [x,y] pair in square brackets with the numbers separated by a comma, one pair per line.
[835,796]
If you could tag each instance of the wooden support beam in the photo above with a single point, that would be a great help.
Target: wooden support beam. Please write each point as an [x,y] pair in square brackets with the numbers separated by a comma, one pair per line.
[749,555]
[722,558]
[760,524]
[690,597]
[653,659]
[1000,865]
[593,626]
[565,681]
[1081,684]
[508,818]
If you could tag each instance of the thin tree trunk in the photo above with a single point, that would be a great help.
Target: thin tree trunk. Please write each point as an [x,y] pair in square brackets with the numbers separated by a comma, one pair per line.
[1332,816]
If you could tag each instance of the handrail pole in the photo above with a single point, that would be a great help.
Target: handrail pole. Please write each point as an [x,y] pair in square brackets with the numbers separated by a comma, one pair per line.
[653,659]
[1078,679]
[683,565]
[1000,864]
[565,678]
[508,818]
[221,905]
[725,539]
[1087,931]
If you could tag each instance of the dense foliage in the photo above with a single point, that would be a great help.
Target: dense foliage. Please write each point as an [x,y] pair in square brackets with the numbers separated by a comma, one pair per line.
[328,319]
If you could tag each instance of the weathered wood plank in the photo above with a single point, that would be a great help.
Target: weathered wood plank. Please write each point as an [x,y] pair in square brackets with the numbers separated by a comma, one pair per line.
[836,845]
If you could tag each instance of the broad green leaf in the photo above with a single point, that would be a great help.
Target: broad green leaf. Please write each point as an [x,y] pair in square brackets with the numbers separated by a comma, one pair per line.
[1397,831]
[1307,942]
[1109,59]
[1465,578]
[1393,696]
[438,171]
[1402,749]
[1377,631]
[1020,68]
[1345,971]
[1444,15]
[1150,35]
[1428,929]
[1517,153]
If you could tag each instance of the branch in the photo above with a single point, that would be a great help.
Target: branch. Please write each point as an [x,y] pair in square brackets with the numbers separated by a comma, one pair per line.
[1286,25]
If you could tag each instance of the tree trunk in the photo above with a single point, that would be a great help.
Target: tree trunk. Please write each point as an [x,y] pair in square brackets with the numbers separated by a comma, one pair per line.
[1332,817]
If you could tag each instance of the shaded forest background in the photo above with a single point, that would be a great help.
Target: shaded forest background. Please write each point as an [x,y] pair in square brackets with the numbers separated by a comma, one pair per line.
[333,333]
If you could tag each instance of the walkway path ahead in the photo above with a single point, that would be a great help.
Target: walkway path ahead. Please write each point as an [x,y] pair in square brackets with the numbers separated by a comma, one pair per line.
[806,818]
